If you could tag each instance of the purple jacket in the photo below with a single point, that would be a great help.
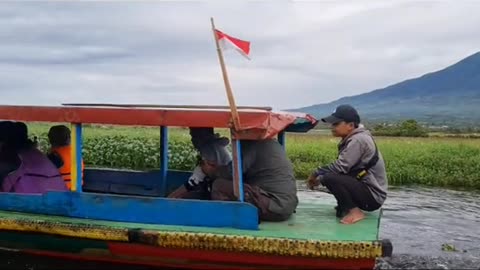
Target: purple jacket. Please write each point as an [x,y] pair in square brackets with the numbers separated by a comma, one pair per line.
[36,174]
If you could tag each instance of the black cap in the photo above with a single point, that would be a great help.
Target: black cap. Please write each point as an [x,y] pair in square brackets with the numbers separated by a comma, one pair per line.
[343,113]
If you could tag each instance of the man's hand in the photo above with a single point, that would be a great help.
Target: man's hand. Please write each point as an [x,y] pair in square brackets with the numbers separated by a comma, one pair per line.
[178,193]
[209,169]
[313,181]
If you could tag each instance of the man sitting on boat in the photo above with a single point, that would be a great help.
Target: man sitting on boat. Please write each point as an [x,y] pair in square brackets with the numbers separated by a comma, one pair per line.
[357,178]
[60,151]
[269,182]
[199,185]
[29,170]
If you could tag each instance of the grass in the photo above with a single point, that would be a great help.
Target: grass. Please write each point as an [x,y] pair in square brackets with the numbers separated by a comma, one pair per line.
[426,161]
[439,161]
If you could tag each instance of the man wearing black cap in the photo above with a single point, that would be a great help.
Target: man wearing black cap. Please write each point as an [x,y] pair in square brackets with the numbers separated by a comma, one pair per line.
[357,178]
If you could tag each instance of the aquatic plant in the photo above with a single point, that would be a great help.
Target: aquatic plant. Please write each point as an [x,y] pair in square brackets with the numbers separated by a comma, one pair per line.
[426,161]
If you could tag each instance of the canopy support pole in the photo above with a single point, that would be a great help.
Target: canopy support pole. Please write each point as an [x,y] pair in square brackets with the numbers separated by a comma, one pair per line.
[282,138]
[76,156]
[237,168]
[164,157]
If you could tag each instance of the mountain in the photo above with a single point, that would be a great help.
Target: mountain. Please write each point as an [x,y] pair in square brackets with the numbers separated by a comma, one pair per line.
[450,96]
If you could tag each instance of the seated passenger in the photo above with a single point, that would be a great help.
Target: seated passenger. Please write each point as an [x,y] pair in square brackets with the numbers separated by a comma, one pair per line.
[269,182]
[8,160]
[199,185]
[60,151]
[22,134]
[34,173]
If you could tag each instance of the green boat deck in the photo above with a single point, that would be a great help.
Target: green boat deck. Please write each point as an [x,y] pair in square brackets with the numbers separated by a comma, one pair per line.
[314,220]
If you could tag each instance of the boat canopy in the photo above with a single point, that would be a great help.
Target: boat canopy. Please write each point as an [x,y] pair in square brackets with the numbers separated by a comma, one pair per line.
[256,122]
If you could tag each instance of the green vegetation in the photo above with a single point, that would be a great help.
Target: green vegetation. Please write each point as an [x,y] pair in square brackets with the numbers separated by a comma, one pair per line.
[408,128]
[127,147]
[427,161]
[449,248]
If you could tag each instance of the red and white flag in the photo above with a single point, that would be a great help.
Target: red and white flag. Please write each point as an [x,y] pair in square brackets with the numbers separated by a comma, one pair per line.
[226,41]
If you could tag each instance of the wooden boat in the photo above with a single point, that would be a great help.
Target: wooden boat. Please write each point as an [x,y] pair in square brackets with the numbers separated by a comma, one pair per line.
[123,216]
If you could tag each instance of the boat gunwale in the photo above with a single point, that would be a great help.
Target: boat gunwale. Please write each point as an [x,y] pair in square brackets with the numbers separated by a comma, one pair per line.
[333,249]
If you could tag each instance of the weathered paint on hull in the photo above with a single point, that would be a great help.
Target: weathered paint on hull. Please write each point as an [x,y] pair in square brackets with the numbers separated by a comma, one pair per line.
[137,254]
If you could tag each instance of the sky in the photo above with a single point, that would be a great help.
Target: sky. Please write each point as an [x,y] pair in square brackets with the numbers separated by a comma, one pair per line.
[159,52]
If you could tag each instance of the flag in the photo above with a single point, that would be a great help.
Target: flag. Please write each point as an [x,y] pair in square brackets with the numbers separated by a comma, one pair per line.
[226,41]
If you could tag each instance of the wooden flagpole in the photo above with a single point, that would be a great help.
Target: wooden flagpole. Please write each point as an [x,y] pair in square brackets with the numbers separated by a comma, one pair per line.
[237,164]
[231,99]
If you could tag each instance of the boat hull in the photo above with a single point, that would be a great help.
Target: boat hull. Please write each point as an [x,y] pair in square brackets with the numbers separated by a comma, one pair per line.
[138,255]
[311,239]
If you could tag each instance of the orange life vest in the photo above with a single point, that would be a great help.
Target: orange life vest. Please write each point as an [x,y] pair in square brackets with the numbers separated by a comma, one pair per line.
[65,154]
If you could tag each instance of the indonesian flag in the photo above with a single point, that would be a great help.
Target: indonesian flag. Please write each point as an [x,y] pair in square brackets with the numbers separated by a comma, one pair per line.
[226,41]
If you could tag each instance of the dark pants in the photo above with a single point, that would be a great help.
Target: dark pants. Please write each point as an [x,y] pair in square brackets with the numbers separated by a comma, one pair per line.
[350,193]
[202,192]
[222,190]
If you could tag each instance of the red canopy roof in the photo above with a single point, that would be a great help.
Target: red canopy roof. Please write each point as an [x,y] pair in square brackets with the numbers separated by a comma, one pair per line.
[255,123]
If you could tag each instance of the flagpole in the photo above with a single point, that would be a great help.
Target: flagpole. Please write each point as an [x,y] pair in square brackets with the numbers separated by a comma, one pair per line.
[231,99]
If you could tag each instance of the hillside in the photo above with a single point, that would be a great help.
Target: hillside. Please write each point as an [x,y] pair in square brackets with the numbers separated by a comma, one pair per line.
[450,96]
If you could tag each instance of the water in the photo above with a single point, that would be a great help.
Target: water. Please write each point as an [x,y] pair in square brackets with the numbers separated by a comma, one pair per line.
[417,220]
[420,220]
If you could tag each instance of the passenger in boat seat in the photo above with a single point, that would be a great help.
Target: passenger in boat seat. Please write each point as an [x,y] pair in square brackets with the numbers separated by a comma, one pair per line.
[60,151]
[8,160]
[32,171]
[199,185]
[357,178]
[269,182]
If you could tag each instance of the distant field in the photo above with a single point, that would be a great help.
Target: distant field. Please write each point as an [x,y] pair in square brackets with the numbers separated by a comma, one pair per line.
[455,135]
[439,161]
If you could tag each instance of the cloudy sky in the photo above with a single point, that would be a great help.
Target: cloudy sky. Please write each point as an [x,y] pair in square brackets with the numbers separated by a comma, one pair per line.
[303,52]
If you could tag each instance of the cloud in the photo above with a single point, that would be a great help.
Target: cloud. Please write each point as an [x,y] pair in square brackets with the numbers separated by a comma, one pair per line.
[163,52]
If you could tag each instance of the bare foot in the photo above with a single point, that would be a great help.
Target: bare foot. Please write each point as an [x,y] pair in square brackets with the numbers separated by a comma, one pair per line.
[353,216]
